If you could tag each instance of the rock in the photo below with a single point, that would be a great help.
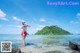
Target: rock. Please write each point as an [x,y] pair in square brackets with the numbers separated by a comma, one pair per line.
[16,50]
[28,44]
[74,46]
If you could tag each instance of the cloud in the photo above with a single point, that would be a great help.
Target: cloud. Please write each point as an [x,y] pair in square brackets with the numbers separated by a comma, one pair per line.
[77,19]
[18,19]
[74,22]
[17,26]
[78,14]
[77,32]
[42,20]
[2,16]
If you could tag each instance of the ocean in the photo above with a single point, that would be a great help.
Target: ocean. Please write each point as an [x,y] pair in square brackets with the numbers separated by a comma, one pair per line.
[41,39]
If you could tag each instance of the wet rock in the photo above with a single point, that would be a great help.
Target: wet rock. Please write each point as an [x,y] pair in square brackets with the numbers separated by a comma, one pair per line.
[74,46]
[28,44]
[16,50]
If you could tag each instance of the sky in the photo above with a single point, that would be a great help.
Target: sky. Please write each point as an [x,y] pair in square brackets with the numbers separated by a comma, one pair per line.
[38,14]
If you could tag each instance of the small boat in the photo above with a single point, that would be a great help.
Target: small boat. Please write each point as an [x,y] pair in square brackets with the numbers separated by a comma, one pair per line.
[74,46]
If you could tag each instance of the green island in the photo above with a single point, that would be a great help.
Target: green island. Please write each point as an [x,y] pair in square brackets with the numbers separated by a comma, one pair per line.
[50,30]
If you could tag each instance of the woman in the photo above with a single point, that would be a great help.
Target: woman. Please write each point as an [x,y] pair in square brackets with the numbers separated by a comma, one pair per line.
[24,32]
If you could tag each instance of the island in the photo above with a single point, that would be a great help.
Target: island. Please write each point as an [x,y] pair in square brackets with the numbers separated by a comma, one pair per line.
[49,30]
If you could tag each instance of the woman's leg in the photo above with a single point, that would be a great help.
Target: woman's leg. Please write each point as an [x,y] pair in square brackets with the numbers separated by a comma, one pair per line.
[23,40]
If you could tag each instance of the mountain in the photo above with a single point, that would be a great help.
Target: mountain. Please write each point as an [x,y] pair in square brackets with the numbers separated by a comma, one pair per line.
[51,30]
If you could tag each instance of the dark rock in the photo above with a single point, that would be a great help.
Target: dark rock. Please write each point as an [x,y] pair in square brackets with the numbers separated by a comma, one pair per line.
[28,44]
[74,46]
[16,50]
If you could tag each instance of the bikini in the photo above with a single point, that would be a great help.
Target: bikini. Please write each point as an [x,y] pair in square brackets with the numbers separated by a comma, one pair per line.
[24,33]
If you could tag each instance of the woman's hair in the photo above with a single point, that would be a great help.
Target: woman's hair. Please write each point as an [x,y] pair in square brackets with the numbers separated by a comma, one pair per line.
[23,23]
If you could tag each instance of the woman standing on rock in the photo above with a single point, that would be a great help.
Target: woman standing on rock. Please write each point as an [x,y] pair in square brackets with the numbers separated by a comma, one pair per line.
[24,33]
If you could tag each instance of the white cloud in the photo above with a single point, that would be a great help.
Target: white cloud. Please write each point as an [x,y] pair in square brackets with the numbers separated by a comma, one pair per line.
[78,14]
[77,20]
[42,20]
[18,19]
[17,26]
[3,18]
[76,32]
[74,22]
[3,15]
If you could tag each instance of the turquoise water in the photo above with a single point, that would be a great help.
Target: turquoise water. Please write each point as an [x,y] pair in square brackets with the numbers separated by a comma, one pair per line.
[17,39]
[41,39]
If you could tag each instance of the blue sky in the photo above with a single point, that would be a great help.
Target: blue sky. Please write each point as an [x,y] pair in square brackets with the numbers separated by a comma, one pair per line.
[38,13]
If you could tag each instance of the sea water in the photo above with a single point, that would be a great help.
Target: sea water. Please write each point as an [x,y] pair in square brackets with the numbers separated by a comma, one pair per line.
[40,39]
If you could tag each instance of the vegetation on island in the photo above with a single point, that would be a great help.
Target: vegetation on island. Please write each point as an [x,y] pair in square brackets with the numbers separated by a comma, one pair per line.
[52,30]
